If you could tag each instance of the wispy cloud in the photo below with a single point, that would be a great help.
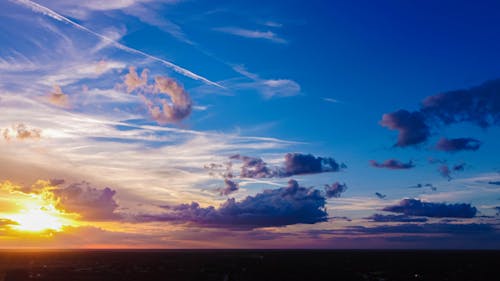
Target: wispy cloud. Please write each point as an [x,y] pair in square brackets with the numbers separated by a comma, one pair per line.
[50,13]
[268,87]
[254,34]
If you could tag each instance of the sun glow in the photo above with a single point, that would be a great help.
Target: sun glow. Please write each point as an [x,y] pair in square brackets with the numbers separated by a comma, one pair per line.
[37,220]
[36,211]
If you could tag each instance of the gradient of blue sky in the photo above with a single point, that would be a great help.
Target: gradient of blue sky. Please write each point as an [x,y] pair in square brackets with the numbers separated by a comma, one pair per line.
[294,76]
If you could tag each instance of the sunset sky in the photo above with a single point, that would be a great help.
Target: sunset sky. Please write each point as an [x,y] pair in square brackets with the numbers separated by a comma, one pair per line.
[249,124]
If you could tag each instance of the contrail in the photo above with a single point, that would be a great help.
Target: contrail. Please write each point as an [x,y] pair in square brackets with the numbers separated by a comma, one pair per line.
[51,13]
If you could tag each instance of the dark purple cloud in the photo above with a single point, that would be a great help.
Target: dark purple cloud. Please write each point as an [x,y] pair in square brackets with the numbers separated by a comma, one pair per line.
[458,144]
[294,164]
[56,182]
[254,167]
[419,185]
[297,164]
[90,202]
[396,218]
[416,228]
[459,167]
[392,164]
[277,207]
[478,105]
[380,195]
[415,207]
[410,125]
[229,187]
[445,171]
[335,190]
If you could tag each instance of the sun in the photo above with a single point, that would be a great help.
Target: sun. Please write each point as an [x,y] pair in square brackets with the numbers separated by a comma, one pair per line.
[36,211]
[37,220]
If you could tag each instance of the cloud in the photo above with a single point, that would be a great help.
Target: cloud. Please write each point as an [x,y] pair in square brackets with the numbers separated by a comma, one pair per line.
[180,106]
[175,108]
[297,164]
[277,87]
[425,228]
[35,7]
[419,185]
[478,105]
[396,218]
[277,207]
[254,167]
[133,81]
[294,164]
[380,195]
[335,190]
[254,34]
[410,125]
[494,182]
[58,98]
[229,187]
[415,207]
[445,171]
[90,202]
[21,131]
[392,164]
[459,167]
[458,144]
[330,100]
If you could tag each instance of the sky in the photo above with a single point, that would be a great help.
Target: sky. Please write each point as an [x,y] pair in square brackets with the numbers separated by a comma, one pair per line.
[265,124]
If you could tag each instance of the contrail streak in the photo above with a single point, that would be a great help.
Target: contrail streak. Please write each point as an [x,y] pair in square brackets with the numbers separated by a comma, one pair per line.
[51,13]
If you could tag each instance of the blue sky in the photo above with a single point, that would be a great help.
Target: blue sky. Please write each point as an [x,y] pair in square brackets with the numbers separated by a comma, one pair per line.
[145,106]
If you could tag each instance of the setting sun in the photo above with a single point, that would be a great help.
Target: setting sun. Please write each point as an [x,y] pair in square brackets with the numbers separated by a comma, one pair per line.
[37,220]
[36,210]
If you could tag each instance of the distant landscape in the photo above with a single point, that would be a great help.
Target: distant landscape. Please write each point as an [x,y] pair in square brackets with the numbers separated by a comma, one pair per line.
[249,265]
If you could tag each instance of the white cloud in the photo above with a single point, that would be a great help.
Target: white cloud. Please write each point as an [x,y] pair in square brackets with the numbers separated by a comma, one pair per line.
[35,7]
[267,87]
[254,34]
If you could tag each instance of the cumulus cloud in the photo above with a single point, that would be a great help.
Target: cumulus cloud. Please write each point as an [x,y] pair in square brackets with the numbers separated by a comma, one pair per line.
[392,164]
[478,105]
[410,126]
[166,100]
[458,144]
[90,202]
[132,80]
[254,167]
[396,218]
[180,105]
[294,164]
[297,164]
[335,190]
[230,186]
[58,98]
[21,131]
[416,207]
[277,207]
